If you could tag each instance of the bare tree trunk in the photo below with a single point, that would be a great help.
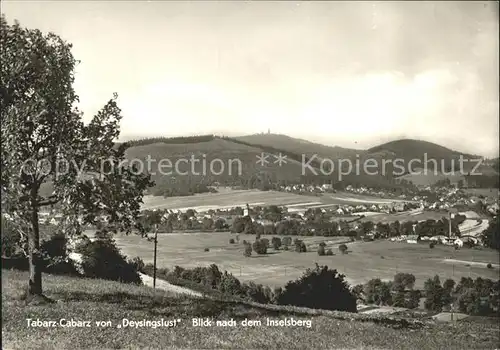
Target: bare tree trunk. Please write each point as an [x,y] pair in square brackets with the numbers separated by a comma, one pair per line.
[35,282]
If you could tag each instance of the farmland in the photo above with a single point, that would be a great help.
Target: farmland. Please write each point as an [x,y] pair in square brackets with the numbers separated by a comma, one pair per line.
[227,198]
[366,260]
[486,192]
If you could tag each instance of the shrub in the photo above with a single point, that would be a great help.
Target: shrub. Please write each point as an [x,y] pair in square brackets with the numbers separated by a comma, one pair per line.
[329,252]
[206,250]
[229,284]
[276,242]
[300,246]
[343,248]
[138,264]
[265,242]
[321,250]
[260,247]
[55,247]
[286,248]
[231,241]
[319,288]
[257,293]
[247,251]
[432,245]
[55,256]
[489,266]
[286,240]
[102,259]
[10,239]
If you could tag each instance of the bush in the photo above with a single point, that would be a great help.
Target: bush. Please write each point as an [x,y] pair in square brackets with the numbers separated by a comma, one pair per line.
[319,288]
[260,247]
[265,242]
[286,241]
[432,245]
[329,252]
[343,248]
[286,248]
[300,246]
[138,264]
[489,266]
[321,250]
[276,242]
[55,247]
[10,240]
[55,256]
[229,284]
[231,241]
[102,259]
[247,251]
[206,250]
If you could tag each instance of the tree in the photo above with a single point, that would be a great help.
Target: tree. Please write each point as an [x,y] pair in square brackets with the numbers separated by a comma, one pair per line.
[321,249]
[247,250]
[434,293]
[403,281]
[378,292]
[319,288]
[276,242]
[260,247]
[286,241]
[343,248]
[491,236]
[300,246]
[44,140]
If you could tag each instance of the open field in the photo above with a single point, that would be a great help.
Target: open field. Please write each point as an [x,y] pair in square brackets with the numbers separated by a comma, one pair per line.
[227,198]
[420,178]
[367,260]
[99,300]
[487,192]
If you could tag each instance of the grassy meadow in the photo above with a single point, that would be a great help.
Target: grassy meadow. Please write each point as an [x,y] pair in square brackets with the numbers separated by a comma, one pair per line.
[366,260]
[227,198]
[99,300]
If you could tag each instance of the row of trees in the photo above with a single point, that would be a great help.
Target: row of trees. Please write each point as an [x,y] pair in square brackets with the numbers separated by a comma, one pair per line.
[324,227]
[473,297]
[320,288]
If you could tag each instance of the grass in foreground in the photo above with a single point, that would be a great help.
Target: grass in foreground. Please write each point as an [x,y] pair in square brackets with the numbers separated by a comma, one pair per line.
[98,300]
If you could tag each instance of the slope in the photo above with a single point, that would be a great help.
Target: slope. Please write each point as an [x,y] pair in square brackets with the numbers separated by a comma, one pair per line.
[99,300]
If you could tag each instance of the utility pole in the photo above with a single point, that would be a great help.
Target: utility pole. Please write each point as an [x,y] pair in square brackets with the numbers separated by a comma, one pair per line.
[154,258]
[449,224]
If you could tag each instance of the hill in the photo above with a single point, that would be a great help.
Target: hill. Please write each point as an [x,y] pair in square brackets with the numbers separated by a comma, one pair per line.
[233,162]
[300,146]
[408,149]
[98,300]
[432,162]
[225,149]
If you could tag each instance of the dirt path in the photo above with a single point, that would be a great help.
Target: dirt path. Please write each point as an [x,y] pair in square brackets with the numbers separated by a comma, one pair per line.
[166,286]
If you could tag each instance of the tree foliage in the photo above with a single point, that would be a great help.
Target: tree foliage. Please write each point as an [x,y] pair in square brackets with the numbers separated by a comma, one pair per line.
[319,288]
[44,140]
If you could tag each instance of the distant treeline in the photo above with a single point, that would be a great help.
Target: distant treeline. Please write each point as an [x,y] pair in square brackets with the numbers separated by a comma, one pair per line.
[171,140]
[482,181]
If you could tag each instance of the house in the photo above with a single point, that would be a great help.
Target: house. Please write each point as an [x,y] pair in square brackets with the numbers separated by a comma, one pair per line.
[493,209]
[458,242]
[339,211]
[412,239]
[399,207]
[326,187]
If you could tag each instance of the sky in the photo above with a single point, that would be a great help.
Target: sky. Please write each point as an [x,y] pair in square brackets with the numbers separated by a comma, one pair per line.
[352,74]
